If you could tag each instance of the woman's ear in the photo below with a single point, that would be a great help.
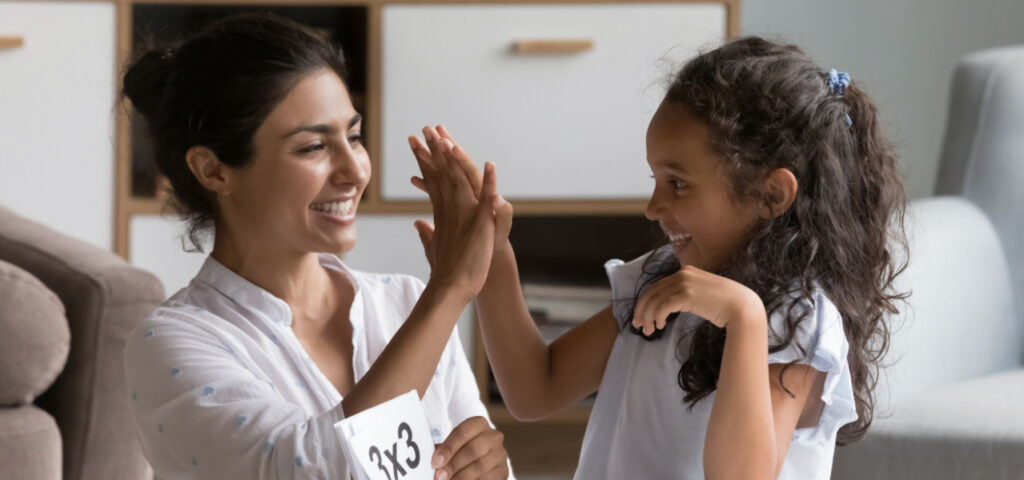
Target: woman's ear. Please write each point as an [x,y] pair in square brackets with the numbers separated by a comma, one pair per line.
[208,169]
[782,186]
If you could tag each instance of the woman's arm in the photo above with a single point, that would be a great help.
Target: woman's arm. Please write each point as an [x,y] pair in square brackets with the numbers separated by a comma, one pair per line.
[461,248]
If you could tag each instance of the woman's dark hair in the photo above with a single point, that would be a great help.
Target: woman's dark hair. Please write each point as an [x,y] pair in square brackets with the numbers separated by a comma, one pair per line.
[215,88]
[768,106]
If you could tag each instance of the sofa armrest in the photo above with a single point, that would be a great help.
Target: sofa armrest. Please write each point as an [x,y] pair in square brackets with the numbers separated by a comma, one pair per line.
[105,298]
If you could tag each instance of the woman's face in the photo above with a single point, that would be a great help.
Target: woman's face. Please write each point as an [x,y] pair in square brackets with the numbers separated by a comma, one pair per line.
[308,173]
[692,198]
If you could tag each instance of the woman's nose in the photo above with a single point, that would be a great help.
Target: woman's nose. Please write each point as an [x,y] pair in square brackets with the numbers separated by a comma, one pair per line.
[351,166]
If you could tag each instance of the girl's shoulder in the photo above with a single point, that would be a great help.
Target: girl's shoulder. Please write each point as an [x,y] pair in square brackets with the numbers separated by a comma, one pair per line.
[803,325]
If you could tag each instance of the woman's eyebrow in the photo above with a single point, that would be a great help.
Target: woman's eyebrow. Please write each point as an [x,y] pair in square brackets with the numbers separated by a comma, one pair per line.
[324,128]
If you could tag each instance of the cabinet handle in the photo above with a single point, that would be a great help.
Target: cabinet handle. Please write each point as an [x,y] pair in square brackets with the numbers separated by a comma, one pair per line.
[11,42]
[552,47]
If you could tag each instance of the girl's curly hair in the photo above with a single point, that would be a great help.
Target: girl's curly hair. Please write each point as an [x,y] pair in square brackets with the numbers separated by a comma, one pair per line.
[769,106]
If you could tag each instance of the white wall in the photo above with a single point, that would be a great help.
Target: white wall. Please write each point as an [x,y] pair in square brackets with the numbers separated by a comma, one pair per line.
[903,52]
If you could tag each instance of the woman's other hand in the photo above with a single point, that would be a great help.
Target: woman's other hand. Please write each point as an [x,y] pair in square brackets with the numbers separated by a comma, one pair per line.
[472,451]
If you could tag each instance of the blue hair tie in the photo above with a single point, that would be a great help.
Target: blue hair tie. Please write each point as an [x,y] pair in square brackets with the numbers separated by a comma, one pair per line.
[838,81]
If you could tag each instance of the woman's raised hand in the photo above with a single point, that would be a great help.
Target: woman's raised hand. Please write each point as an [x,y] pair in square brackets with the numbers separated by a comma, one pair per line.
[503,211]
[460,246]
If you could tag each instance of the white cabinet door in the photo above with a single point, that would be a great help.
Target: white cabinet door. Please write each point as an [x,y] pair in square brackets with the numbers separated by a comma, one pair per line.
[566,126]
[57,96]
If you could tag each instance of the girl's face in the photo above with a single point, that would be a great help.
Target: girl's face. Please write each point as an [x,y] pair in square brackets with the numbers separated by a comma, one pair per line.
[692,198]
[309,170]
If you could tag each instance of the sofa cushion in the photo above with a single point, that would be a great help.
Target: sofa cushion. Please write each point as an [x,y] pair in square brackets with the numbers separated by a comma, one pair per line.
[966,430]
[34,336]
[30,445]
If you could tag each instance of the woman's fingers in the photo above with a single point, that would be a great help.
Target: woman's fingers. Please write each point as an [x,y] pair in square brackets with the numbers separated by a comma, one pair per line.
[487,465]
[422,154]
[462,159]
[426,232]
[419,183]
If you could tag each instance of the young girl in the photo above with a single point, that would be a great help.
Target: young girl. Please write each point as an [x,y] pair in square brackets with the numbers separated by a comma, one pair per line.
[747,347]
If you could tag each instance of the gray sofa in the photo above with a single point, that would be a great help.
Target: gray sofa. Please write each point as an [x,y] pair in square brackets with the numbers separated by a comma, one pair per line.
[952,402]
[66,309]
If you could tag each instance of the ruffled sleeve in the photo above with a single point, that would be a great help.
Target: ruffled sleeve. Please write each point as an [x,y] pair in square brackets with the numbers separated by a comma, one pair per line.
[819,341]
[624,278]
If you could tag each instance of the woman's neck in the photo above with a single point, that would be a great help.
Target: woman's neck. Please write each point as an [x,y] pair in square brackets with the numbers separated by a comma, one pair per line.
[293,276]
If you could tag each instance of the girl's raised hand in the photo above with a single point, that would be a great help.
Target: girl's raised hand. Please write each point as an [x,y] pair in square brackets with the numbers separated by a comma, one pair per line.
[714,298]
[459,248]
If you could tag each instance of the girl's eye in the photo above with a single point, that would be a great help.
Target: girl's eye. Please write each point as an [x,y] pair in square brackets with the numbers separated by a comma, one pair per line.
[677,185]
[313,148]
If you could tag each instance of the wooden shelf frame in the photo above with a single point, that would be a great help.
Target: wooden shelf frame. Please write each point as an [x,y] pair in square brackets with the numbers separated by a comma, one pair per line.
[127,205]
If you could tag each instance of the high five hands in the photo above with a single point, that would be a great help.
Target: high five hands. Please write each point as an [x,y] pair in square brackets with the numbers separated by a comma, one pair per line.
[463,201]
[470,219]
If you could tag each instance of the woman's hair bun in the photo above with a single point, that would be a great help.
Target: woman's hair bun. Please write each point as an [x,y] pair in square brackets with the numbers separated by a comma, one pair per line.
[146,77]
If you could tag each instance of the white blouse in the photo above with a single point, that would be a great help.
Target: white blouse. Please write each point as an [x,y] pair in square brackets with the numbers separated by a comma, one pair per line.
[222,389]
[641,428]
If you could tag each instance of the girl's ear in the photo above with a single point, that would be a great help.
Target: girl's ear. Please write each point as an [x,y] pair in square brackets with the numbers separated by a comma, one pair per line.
[208,169]
[781,185]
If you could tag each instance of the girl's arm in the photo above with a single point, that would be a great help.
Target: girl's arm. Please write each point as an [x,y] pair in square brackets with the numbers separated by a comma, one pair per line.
[537,380]
[752,418]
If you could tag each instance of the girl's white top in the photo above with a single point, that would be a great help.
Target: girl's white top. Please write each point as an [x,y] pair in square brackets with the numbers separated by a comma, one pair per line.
[222,389]
[641,428]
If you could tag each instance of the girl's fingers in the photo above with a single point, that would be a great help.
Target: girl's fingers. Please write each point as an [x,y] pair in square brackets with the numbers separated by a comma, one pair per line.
[503,218]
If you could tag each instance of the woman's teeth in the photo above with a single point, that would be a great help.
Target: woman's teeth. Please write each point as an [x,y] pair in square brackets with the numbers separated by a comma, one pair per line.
[338,208]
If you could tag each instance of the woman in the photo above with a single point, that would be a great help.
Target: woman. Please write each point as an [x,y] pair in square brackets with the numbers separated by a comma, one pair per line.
[245,372]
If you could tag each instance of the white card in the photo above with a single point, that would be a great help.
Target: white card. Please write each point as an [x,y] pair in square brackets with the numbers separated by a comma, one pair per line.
[390,441]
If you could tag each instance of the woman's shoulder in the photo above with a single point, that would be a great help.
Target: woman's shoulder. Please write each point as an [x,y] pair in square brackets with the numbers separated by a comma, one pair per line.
[179,322]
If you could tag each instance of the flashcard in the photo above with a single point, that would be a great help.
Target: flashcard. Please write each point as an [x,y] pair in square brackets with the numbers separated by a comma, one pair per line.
[390,441]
